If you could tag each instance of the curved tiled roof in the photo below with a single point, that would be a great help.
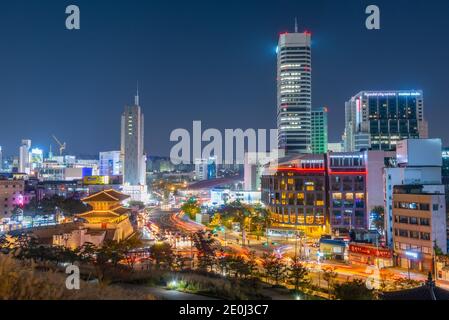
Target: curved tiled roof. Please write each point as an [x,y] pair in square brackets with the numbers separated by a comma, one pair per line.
[106,196]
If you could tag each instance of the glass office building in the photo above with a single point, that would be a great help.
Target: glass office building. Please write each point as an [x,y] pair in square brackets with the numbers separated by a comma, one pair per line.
[319,130]
[377,120]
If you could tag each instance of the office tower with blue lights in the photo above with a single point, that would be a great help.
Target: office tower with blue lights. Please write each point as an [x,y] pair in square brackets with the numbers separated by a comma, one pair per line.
[294,97]
[377,120]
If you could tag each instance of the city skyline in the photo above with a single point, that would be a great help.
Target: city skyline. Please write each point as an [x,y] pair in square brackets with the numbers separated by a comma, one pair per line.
[246,70]
[224,150]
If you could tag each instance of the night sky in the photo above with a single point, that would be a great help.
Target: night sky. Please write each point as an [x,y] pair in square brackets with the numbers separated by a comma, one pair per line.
[205,60]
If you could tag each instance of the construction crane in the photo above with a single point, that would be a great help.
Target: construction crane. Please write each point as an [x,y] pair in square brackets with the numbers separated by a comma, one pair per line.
[62,146]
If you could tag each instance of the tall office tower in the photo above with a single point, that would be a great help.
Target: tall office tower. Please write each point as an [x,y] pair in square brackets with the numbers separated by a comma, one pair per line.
[110,163]
[24,157]
[1,159]
[134,164]
[319,130]
[294,98]
[377,120]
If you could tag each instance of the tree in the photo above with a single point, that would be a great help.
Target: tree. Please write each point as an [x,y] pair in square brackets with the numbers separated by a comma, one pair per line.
[127,247]
[206,250]
[353,290]
[162,254]
[297,274]
[274,268]
[179,262]
[329,276]
[48,205]
[216,220]
[191,208]
[252,263]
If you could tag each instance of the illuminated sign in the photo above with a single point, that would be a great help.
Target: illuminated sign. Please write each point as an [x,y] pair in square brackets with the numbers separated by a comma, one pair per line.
[370,251]
[412,255]
[380,94]
[96,180]
[408,94]
[392,94]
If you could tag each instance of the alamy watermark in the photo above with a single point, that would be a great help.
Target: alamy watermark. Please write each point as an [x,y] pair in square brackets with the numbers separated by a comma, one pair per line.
[229,149]
[373,20]
[73,21]
[72,281]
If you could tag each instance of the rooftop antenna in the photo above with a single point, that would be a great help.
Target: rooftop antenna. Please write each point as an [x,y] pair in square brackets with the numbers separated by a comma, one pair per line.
[136,99]
[296,25]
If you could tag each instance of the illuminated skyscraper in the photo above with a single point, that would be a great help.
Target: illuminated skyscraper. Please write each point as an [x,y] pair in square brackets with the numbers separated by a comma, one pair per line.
[132,135]
[294,98]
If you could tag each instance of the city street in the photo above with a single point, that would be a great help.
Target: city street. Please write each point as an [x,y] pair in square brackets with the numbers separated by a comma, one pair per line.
[176,223]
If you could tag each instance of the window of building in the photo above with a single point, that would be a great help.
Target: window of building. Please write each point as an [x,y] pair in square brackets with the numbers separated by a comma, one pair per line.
[300,199]
[426,250]
[336,200]
[425,236]
[414,234]
[403,219]
[310,199]
[424,222]
[403,233]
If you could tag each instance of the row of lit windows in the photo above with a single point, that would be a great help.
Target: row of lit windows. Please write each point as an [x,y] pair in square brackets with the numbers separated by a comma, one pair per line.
[415,248]
[425,236]
[300,220]
[412,220]
[414,206]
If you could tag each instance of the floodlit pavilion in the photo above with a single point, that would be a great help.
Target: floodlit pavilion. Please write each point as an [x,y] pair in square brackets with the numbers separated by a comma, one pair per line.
[108,214]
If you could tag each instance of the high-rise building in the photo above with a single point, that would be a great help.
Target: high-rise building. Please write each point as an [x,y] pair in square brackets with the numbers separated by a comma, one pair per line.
[294,97]
[419,224]
[132,152]
[418,162]
[319,130]
[132,135]
[24,157]
[110,163]
[335,191]
[294,191]
[377,120]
